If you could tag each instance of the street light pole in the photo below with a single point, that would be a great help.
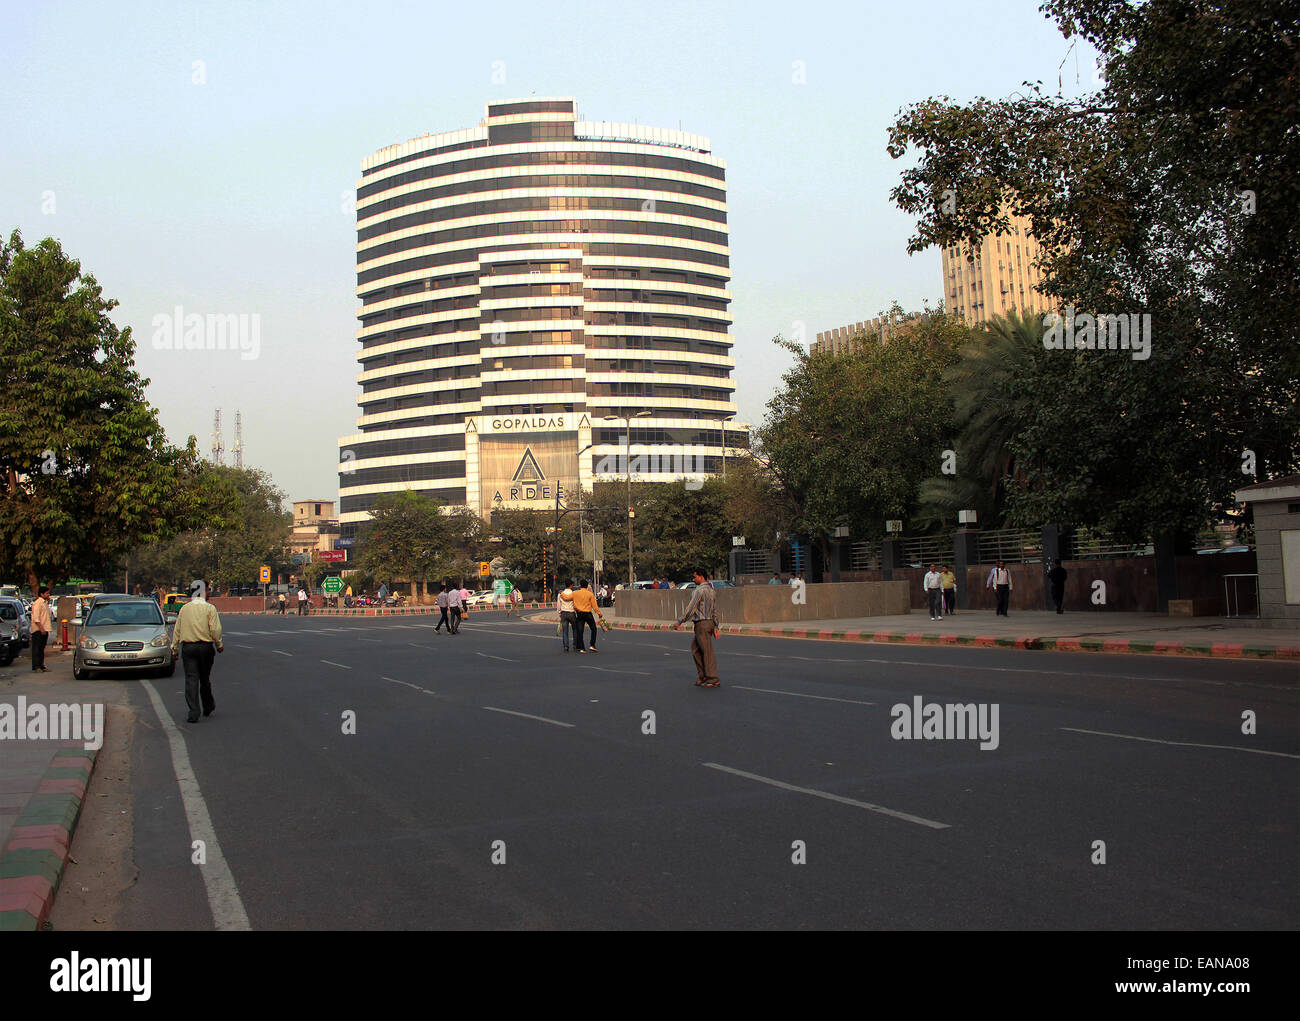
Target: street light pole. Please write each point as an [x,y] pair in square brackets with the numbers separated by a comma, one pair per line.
[627,464]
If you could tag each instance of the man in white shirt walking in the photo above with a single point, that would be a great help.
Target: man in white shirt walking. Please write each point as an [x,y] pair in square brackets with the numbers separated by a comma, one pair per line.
[933,586]
[1000,581]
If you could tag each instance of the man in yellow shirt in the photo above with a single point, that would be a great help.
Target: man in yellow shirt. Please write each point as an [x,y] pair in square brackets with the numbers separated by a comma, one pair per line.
[42,624]
[949,582]
[197,638]
[584,603]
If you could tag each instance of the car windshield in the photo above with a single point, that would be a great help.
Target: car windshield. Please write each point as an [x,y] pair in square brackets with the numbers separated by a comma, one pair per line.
[128,614]
[7,612]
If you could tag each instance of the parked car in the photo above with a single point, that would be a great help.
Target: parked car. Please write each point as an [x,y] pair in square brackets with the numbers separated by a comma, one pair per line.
[123,633]
[24,617]
[483,597]
[11,642]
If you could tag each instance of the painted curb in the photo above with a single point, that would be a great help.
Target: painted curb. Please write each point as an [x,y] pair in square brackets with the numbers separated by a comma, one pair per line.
[34,857]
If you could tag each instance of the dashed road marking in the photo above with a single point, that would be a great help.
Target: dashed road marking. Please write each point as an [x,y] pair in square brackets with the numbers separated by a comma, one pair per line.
[530,716]
[893,813]
[1183,744]
[800,694]
[332,663]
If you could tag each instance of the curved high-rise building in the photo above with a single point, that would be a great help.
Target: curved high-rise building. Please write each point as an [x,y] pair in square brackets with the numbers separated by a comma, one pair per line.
[527,288]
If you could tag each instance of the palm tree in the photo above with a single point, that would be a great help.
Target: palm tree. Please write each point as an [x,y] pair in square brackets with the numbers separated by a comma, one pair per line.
[989,408]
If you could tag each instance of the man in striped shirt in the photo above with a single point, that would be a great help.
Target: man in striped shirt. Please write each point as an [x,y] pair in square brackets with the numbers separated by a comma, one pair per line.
[702,611]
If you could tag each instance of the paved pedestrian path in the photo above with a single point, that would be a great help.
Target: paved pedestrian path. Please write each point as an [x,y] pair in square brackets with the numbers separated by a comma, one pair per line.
[1070,632]
[42,789]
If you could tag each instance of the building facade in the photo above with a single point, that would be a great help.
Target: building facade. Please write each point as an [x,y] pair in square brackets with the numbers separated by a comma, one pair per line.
[528,287]
[315,526]
[1003,278]
[840,339]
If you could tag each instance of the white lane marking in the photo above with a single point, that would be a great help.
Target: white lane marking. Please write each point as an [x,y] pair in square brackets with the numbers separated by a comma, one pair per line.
[607,670]
[377,640]
[332,663]
[487,655]
[408,684]
[530,716]
[279,653]
[223,893]
[800,694]
[832,797]
[1183,744]
[234,645]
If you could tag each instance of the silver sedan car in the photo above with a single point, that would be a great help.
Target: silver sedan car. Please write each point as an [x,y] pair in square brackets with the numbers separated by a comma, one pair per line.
[123,633]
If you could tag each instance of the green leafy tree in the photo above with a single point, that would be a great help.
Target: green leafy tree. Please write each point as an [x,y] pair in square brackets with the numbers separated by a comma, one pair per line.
[246,529]
[88,472]
[1172,191]
[407,538]
[849,436]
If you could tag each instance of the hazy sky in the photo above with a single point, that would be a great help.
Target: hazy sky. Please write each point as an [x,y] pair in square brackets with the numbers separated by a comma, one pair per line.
[198,155]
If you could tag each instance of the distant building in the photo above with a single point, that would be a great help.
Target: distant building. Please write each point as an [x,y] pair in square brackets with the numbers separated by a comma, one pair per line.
[528,287]
[1002,279]
[315,526]
[838,340]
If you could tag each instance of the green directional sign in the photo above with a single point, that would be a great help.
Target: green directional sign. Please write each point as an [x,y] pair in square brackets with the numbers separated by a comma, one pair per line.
[501,587]
[332,585]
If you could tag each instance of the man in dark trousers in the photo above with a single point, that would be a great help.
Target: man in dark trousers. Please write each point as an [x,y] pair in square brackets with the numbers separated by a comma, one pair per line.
[42,624]
[442,606]
[196,638]
[1056,576]
[702,611]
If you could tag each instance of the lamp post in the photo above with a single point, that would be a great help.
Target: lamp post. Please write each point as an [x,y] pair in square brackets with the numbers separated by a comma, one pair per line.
[555,535]
[724,446]
[627,464]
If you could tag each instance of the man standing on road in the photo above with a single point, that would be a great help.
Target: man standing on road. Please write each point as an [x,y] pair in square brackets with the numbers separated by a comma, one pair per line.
[515,600]
[1056,577]
[584,603]
[702,611]
[382,593]
[302,602]
[41,625]
[453,608]
[933,586]
[196,638]
[1000,582]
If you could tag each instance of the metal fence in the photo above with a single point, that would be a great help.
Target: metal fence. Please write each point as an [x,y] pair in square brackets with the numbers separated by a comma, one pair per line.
[1012,545]
[864,556]
[1094,545]
[753,561]
[927,549]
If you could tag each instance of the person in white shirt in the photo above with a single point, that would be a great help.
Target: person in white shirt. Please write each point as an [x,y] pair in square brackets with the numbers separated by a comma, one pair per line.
[453,608]
[933,586]
[302,602]
[1000,581]
[568,614]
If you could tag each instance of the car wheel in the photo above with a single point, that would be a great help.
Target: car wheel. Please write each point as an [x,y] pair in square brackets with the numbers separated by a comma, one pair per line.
[168,671]
[79,672]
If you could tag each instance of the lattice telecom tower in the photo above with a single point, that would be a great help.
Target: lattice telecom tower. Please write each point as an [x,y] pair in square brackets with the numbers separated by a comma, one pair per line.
[218,447]
[238,449]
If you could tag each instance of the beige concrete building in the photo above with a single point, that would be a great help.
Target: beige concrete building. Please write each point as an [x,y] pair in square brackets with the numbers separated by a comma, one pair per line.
[839,340]
[315,526]
[1002,279]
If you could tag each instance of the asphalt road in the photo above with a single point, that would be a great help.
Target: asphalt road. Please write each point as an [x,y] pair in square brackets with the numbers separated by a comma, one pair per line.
[495,735]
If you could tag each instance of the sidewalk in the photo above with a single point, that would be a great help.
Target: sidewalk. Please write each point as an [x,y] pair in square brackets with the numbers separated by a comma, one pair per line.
[42,789]
[1070,632]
